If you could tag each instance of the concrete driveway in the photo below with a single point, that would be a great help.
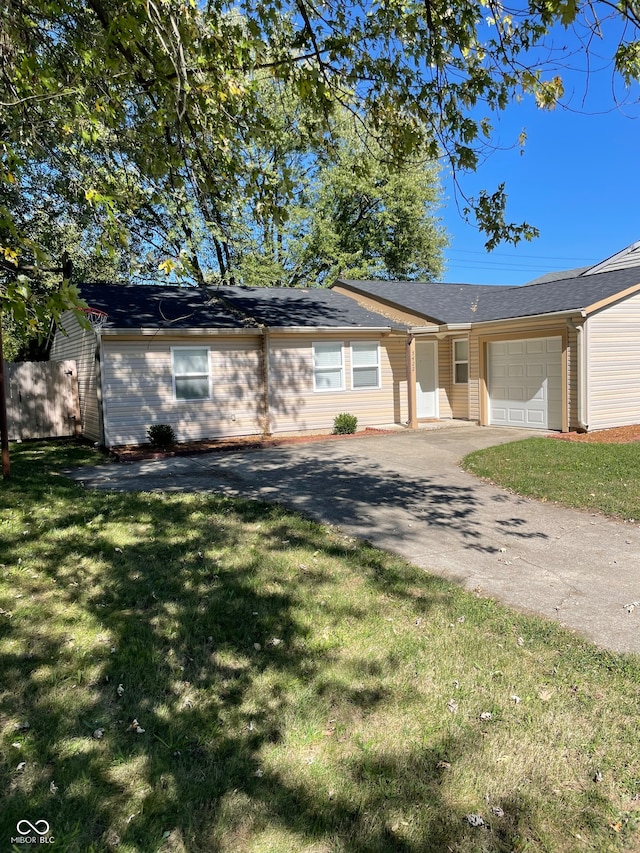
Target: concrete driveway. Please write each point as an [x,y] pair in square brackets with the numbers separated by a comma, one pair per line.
[405,492]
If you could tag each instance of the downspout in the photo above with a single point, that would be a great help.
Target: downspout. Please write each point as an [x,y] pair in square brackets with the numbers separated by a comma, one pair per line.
[581,361]
[266,348]
[99,389]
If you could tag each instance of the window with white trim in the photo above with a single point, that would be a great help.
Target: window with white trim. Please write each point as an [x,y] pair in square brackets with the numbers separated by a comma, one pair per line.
[365,364]
[461,361]
[328,366]
[191,375]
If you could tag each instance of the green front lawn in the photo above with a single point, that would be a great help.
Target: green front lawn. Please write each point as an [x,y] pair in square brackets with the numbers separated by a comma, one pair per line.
[602,477]
[195,673]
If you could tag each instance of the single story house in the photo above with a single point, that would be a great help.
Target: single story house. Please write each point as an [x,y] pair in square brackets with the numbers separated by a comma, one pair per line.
[231,361]
[560,353]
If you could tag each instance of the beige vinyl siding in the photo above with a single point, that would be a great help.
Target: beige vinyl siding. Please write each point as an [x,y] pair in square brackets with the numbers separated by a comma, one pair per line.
[138,389]
[295,406]
[572,377]
[613,353]
[396,354]
[458,393]
[80,344]
[445,383]
[371,303]
[473,387]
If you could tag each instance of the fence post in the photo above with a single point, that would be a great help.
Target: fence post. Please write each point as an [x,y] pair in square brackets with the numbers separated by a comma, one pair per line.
[4,428]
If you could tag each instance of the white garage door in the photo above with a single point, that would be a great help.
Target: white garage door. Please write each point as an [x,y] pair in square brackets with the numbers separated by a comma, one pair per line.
[524,379]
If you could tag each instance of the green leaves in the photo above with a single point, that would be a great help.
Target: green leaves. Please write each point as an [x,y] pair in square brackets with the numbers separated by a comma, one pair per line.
[141,120]
[489,212]
[627,61]
[372,216]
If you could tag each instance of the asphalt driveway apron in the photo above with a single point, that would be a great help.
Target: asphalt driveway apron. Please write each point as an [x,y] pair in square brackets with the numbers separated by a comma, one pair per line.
[406,493]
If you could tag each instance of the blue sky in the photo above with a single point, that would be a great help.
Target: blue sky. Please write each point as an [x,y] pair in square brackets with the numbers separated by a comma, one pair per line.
[578,181]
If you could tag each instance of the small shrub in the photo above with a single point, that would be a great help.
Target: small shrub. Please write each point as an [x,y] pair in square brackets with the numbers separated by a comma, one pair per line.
[345,424]
[161,435]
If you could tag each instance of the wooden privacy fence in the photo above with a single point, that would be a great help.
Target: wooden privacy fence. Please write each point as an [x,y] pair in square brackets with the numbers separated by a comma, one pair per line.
[42,399]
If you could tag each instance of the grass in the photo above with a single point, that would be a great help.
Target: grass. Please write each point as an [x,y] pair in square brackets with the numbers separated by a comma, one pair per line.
[295,690]
[600,477]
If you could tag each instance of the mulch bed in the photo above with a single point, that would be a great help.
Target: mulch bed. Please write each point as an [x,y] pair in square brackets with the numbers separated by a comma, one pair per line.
[138,452]
[615,435]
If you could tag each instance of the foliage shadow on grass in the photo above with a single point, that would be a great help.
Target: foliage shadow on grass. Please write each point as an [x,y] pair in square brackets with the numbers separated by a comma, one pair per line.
[191,636]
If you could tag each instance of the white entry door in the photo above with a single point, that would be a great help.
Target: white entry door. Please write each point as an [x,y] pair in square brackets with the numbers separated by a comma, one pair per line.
[426,380]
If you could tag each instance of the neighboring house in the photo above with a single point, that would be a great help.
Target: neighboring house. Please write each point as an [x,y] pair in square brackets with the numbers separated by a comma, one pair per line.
[559,353]
[229,361]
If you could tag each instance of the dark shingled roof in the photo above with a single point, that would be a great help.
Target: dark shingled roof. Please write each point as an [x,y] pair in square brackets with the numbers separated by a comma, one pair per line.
[556,276]
[569,294]
[149,306]
[290,307]
[130,306]
[181,308]
[459,303]
[437,302]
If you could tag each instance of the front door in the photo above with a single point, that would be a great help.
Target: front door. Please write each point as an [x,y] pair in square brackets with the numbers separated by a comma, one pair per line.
[426,381]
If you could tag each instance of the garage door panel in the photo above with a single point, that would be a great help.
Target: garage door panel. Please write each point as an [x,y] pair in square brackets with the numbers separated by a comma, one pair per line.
[515,416]
[537,393]
[515,392]
[524,383]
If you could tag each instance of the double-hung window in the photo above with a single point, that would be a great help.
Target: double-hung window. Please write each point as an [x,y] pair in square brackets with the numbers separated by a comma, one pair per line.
[191,377]
[328,366]
[461,361]
[365,365]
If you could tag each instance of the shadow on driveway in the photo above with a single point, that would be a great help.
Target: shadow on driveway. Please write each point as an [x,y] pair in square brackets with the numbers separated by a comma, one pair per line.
[406,493]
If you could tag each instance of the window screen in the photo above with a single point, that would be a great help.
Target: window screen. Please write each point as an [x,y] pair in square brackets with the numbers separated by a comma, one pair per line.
[461,361]
[365,365]
[327,367]
[191,373]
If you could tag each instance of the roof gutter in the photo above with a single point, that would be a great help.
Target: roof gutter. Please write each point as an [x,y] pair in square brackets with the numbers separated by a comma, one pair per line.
[98,366]
[310,330]
[179,332]
[569,312]
[455,328]
[248,331]
[441,330]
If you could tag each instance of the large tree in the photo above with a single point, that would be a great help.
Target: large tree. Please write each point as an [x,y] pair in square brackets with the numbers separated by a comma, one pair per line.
[371,218]
[354,209]
[145,111]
